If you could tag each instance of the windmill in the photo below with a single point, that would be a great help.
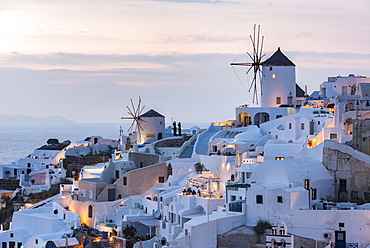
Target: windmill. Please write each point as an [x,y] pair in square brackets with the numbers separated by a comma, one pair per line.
[255,65]
[135,113]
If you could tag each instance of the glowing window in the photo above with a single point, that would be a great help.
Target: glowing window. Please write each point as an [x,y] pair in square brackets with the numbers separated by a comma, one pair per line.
[314,194]
[273,75]
[307,184]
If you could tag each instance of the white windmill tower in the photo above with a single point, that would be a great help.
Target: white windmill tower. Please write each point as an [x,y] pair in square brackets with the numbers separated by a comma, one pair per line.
[273,80]
[147,127]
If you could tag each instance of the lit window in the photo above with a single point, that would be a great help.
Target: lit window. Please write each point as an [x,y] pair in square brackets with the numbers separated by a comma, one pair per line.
[273,75]
[307,184]
[314,194]
[279,158]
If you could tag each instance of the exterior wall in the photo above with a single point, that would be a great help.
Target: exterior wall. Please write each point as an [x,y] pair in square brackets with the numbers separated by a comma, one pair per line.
[280,86]
[305,242]
[333,87]
[361,136]
[237,240]
[343,162]
[313,224]
[142,159]
[253,111]
[89,190]
[141,180]
[151,128]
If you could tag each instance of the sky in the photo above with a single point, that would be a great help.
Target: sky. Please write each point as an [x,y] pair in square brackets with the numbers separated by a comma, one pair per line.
[85,59]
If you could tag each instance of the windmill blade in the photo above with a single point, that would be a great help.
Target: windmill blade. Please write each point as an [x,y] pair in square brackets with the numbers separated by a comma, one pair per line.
[141,110]
[131,127]
[250,56]
[242,64]
[138,108]
[250,68]
[133,107]
[129,111]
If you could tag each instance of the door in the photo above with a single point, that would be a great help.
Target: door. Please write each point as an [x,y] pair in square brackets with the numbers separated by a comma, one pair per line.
[111,194]
[340,239]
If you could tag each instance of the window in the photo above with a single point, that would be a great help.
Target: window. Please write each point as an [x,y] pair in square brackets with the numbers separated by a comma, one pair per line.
[19,245]
[3,245]
[318,122]
[341,224]
[333,136]
[302,126]
[307,184]
[342,184]
[124,180]
[314,194]
[354,194]
[278,100]
[273,75]
[278,116]
[270,68]
[279,158]
[117,174]
[290,125]
[233,198]
[280,199]
[36,241]
[259,199]
[161,179]
[11,235]
[90,211]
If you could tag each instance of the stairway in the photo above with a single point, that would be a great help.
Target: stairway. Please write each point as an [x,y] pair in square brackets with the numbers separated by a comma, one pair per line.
[106,244]
[187,152]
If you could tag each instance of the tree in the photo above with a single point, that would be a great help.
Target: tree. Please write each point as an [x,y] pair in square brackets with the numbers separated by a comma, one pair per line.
[261,227]
[199,167]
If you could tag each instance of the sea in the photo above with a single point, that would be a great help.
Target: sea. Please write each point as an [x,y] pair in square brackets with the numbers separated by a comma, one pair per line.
[19,140]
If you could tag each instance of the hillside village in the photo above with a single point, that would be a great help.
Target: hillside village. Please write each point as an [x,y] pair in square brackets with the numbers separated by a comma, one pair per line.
[292,172]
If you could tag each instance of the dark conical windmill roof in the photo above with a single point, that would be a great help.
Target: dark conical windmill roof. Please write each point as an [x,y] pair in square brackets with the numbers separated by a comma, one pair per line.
[151,113]
[278,59]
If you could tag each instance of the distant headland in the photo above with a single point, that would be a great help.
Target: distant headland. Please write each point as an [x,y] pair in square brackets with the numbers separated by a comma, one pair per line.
[21,119]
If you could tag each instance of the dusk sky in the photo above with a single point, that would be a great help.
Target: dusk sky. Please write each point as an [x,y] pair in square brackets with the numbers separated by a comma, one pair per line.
[85,59]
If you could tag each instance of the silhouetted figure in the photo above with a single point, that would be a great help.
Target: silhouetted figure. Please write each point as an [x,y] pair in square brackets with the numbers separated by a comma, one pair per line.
[179,126]
[174,128]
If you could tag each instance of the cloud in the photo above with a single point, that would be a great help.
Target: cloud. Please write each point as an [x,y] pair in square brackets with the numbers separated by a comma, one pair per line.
[194,1]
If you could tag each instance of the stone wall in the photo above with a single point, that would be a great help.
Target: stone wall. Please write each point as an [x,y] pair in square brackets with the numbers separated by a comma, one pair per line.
[173,142]
[237,240]
[10,184]
[143,159]
[361,135]
[350,169]
[300,242]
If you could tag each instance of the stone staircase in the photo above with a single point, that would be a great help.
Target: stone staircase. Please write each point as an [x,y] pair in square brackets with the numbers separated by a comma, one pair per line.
[106,244]
[188,151]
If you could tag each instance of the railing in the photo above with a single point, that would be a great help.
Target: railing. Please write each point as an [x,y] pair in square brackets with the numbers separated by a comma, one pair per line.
[347,245]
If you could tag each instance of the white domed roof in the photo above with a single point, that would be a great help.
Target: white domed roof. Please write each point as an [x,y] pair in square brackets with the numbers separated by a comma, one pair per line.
[252,133]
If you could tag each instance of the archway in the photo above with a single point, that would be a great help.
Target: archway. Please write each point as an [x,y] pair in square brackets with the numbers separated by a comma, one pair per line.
[245,119]
[261,117]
